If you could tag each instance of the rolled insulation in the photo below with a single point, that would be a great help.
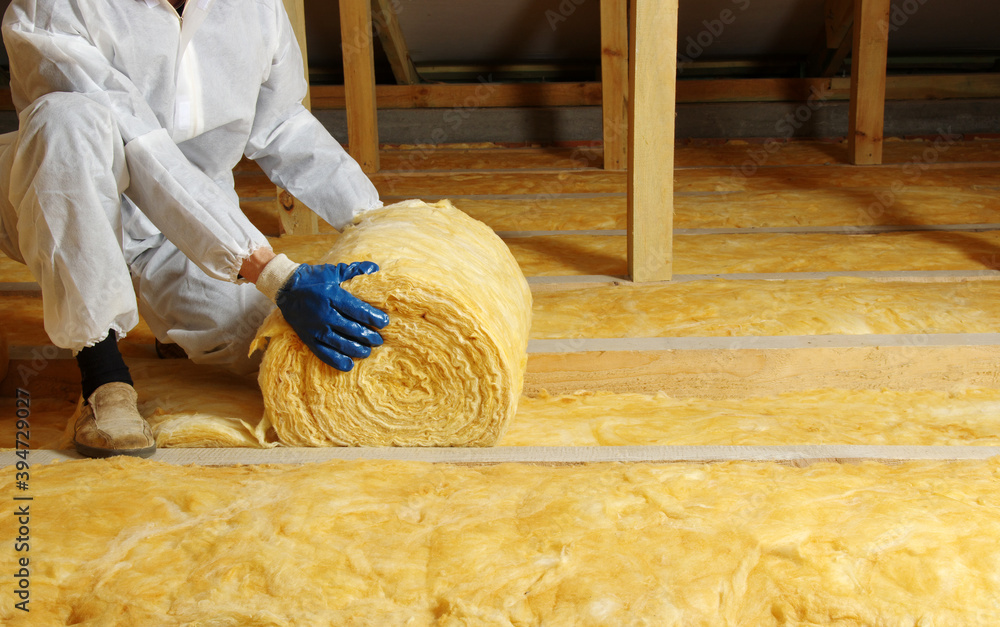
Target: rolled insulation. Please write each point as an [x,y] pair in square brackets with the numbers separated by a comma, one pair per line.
[452,366]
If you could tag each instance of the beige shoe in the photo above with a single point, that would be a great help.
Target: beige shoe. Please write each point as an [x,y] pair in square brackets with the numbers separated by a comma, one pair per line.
[111,425]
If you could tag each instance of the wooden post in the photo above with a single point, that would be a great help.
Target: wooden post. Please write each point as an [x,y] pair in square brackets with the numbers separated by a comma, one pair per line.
[293,216]
[614,82]
[393,43]
[297,16]
[652,93]
[359,82]
[868,68]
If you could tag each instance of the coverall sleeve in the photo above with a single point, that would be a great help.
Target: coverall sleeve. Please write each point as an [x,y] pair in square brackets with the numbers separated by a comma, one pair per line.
[295,150]
[50,52]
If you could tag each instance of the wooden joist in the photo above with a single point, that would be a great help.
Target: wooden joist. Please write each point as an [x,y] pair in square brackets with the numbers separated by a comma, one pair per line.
[702,367]
[795,455]
[866,120]
[359,82]
[652,79]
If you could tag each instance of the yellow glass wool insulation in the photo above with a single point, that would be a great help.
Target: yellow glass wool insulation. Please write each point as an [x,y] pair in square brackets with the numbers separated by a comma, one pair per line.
[452,366]
[861,417]
[130,542]
[742,308]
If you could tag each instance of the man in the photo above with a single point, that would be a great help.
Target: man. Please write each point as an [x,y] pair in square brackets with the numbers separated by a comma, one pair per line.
[120,194]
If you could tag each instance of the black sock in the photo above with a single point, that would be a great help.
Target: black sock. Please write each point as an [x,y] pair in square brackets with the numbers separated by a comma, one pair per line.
[102,363]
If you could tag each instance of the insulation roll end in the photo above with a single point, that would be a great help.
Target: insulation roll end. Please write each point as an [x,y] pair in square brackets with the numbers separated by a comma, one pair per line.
[451,368]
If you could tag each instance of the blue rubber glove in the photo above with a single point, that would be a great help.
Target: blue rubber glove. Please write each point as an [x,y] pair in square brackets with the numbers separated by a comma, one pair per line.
[334,324]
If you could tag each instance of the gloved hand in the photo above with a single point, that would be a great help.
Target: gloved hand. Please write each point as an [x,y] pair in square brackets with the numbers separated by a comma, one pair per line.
[334,324]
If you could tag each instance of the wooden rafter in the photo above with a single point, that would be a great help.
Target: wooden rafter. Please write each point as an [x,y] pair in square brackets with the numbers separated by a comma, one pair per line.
[836,57]
[838,18]
[393,43]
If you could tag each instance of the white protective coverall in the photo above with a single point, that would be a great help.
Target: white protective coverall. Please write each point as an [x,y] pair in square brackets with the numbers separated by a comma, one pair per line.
[119,179]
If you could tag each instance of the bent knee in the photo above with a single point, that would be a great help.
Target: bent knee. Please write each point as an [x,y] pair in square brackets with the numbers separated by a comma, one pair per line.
[226,341]
[68,114]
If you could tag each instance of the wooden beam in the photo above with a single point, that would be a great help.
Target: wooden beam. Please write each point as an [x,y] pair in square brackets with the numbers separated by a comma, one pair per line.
[449,96]
[838,17]
[359,82]
[652,87]
[293,216]
[796,455]
[393,43]
[835,59]
[839,21]
[826,62]
[866,119]
[614,82]
[427,96]
[503,72]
